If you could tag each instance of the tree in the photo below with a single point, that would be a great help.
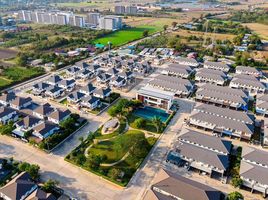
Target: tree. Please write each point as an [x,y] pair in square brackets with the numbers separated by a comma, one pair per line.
[165,27]
[93,161]
[235,196]
[49,185]
[145,33]
[236,181]
[174,24]
[157,122]
[114,173]
[33,170]
[139,123]
[21,60]
[113,111]
[81,139]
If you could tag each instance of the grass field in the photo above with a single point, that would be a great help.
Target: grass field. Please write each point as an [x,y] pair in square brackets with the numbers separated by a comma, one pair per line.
[124,36]
[260,29]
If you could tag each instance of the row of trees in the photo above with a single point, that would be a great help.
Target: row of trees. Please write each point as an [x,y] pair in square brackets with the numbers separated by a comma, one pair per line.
[260,16]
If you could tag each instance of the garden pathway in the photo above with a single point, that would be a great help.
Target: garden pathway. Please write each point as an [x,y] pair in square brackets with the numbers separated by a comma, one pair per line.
[115,163]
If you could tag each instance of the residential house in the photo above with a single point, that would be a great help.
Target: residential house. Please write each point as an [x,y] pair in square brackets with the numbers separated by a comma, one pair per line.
[67,85]
[7,114]
[90,102]
[127,75]
[88,89]
[254,169]
[155,97]
[6,98]
[217,66]
[222,96]
[82,65]
[187,61]
[118,82]
[248,83]
[25,125]
[181,87]
[19,188]
[203,152]
[102,93]
[94,69]
[54,92]
[229,122]
[41,195]
[104,78]
[73,71]
[20,102]
[212,76]
[262,104]
[53,80]
[167,186]
[44,130]
[85,74]
[58,116]
[75,97]
[43,111]
[112,72]
[264,130]
[40,88]
[182,71]
[248,71]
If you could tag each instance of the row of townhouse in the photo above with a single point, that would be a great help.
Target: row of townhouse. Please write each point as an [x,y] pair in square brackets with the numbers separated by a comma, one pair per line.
[22,187]
[54,87]
[187,61]
[168,185]
[89,96]
[177,70]
[248,83]
[211,76]
[154,52]
[262,104]
[181,87]
[254,169]
[222,121]
[222,96]
[203,152]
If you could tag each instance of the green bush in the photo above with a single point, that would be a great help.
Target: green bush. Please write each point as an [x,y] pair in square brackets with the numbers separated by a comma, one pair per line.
[139,123]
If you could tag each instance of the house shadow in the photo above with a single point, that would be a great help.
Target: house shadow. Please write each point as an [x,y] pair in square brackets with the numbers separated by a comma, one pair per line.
[7,150]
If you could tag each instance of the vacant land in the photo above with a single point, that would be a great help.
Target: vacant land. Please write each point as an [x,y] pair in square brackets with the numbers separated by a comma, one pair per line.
[150,21]
[260,29]
[217,36]
[7,53]
[124,36]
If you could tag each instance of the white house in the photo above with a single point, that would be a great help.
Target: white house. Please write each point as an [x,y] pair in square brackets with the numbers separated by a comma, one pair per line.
[7,114]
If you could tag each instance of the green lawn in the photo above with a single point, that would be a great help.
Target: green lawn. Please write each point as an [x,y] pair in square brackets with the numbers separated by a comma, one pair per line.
[121,37]
[116,148]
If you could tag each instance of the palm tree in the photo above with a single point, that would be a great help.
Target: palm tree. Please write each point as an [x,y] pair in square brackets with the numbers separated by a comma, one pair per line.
[81,139]
[157,122]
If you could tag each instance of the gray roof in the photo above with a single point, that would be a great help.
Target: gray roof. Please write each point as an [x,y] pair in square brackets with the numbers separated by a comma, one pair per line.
[41,195]
[102,91]
[4,111]
[104,76]
[59,114]
[256,155]
[73,69]
[41,86]
[88,88]
[226,113]
[90,99]
[179,69]
[44,128]
[221,96]
[82,65]
[174,80]
[44,109]
[262,101]
[154,92]
[225,90]
[67,82]
[8,97]
[53,89]
[203,155]
[206,140]
[246,69]
[18,187]
[169,86]
[248,80]
[112,71]
[28,121]
[254,172]
[222,122]
[190,60]
[180,187]
[20,101]
[76,95]
[211,74]
[219,65]
[54,79]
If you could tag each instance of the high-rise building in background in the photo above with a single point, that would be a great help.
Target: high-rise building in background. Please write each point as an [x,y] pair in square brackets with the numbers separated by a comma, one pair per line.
[93,18]
[131,10]
[120,9]
[111,22]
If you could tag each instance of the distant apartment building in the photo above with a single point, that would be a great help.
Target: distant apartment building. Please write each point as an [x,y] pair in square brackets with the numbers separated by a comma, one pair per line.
[120,9]
[93,18]
[110,23]
[76,20]
[131,10]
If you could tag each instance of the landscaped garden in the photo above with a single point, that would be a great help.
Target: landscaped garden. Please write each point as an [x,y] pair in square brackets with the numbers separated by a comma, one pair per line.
[116,150]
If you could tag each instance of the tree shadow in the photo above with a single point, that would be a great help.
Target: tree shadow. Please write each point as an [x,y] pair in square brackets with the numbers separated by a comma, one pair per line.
[7,150]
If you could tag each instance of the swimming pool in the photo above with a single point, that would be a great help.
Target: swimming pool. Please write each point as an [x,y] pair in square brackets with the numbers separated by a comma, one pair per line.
[150,112]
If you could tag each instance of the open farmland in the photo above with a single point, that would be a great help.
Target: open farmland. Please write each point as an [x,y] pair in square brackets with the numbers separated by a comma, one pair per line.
[217,36]
[7,53]
[124,36]
[260,29]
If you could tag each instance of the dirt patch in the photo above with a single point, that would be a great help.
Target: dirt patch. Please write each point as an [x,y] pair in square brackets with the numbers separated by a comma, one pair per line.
[260,29]
[7,53]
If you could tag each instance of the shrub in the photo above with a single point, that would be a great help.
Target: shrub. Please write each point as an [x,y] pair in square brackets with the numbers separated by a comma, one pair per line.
[234,196]
[139,123]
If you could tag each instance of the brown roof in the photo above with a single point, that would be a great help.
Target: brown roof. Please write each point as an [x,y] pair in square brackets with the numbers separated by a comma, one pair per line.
[180,187]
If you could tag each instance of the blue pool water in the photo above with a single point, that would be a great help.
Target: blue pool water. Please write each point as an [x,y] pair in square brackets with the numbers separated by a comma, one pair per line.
[149,113]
